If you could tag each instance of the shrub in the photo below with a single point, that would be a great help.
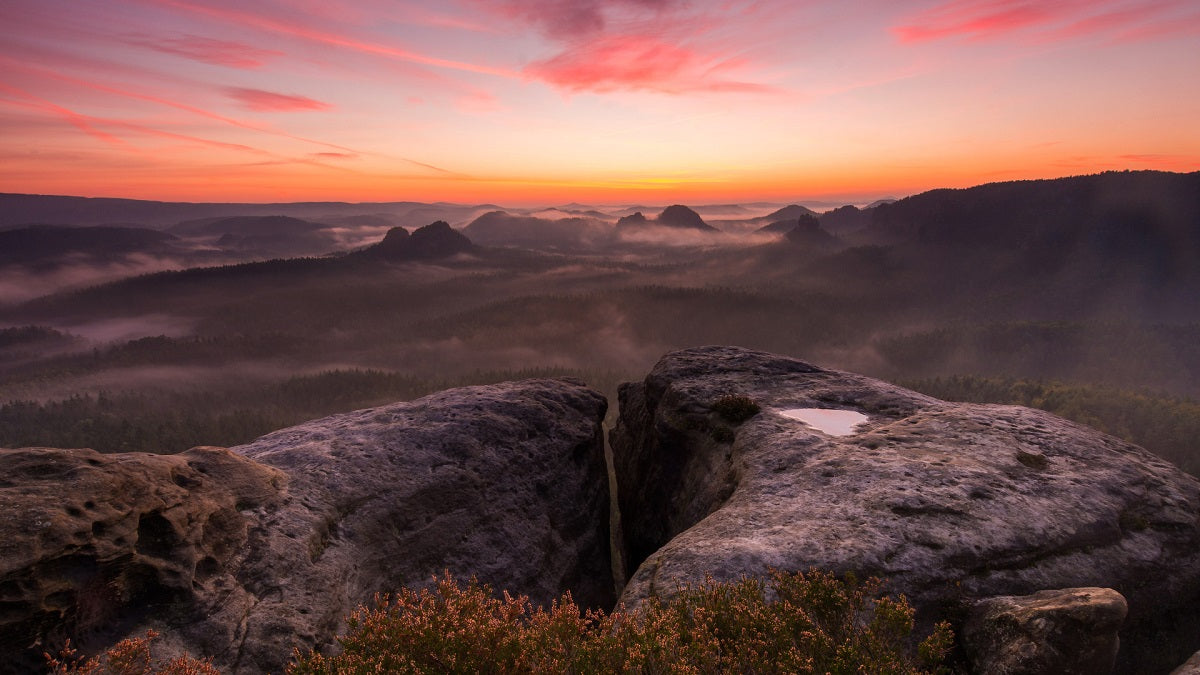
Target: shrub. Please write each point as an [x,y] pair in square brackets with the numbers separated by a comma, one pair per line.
[127,657]
[790,623]
[736,408]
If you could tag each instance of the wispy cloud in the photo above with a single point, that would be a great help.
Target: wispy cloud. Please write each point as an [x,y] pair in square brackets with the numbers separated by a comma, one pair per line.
[635,62]
[281,26]
[207,50]
[160,100]
[979,20]
[82,122]
[269,101]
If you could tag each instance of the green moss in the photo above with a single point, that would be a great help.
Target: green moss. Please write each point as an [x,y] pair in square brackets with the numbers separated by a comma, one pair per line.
[735,408]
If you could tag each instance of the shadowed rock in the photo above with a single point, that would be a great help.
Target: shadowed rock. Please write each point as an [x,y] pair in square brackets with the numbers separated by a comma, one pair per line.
[246,554]
[1068,632]
[947,501]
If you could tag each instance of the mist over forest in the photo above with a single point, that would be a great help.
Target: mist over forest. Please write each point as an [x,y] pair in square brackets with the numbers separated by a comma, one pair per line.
[153,326]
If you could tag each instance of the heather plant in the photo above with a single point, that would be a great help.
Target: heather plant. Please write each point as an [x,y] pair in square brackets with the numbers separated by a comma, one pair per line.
[789,623]
[128,657]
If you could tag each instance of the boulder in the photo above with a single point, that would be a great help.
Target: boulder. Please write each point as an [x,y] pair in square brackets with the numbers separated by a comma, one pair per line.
[947,501]
[93,545]
[1068,632]
[245,554]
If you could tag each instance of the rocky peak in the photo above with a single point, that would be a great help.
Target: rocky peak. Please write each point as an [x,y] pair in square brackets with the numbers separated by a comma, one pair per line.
[681,216]
[437,240]
[434,241]
[808,234]
[634,219]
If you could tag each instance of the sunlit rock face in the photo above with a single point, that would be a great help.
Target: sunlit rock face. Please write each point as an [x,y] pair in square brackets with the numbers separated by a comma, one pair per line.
[245,554]
[946,501]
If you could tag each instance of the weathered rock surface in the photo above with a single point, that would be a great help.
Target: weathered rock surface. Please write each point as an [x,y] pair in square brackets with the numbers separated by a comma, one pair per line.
[1069,632]
[947,501]
[244,554]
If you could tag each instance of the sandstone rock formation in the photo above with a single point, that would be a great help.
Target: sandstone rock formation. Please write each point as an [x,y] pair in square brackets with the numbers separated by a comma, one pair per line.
[1069,632]
[244,554]
[434,241]
[678,215]
[947,501]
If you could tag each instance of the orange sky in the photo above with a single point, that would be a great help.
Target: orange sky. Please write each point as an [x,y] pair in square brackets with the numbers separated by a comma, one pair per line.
[523,102]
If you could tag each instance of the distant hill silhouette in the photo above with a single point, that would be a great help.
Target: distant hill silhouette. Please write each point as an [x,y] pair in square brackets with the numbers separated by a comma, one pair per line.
[499,228]
[675,216]
[269,236]
[790,212]
[1117,244]
[434,241]
[634,219]
[846,218]
[809,234]
[778,227]
[40,244]
[678,215]
[23,209]
[274,226]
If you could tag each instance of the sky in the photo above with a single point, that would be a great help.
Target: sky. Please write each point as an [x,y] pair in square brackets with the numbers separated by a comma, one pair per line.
[527,102]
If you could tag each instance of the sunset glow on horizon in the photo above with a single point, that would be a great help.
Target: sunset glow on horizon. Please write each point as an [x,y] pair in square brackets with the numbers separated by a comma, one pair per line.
[525,102]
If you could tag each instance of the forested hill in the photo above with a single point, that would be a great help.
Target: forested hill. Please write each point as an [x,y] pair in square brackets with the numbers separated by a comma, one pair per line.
[1110,212]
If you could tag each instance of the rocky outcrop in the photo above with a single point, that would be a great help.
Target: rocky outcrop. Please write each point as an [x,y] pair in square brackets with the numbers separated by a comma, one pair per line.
[244,554]
[1068,632]
[681,216]
[809,235]
[432,242]
[93,545]
[635,219]
[947,501]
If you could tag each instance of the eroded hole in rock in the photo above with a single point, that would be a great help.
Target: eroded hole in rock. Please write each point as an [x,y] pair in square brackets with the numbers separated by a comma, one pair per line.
[206,568]
[156,536]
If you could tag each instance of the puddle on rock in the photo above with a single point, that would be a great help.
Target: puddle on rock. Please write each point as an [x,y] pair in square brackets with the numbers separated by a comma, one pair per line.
[827,421]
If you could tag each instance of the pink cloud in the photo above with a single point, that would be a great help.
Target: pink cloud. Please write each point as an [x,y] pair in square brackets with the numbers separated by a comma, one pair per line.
[279,26]
[978,19]
[208,50]
[159,100]
[636,62]
[77,120]
[1041,21]
[565,18]
[269,101]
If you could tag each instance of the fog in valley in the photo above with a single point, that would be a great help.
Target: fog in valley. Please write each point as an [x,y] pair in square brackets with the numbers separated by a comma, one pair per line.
[156,327]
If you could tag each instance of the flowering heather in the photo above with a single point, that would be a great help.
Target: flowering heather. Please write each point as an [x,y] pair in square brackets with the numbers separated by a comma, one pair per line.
[791,623]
